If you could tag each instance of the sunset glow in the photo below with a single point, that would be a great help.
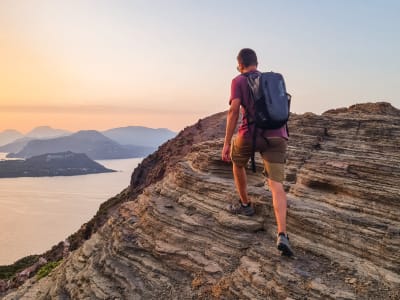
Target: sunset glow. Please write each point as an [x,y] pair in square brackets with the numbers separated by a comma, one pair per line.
[102,64]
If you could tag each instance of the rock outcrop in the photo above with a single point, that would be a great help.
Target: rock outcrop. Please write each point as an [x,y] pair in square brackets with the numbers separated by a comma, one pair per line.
[173,239]
[52,164]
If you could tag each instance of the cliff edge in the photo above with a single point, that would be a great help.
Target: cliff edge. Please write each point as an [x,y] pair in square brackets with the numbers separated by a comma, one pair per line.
[170,237]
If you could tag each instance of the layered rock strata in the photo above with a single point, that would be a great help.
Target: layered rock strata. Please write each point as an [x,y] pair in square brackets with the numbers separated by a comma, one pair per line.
[174,239]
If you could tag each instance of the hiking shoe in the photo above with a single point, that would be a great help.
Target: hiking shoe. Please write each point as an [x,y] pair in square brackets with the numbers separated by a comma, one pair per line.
[238,209]
[283,245]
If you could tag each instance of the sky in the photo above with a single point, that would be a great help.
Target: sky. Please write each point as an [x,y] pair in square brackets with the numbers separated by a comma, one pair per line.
[83,64]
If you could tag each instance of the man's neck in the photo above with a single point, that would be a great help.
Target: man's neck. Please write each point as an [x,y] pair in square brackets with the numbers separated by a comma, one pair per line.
[249,69]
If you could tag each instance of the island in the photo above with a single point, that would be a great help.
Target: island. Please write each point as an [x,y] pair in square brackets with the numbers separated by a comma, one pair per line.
[51,164]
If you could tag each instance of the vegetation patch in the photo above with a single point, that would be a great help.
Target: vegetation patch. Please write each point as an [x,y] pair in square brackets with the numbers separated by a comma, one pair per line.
[47,268]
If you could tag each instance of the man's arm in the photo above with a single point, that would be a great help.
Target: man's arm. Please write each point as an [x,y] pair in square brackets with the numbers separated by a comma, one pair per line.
[231,121]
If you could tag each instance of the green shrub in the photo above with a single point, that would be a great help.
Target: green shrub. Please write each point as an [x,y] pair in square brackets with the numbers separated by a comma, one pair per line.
[47,268]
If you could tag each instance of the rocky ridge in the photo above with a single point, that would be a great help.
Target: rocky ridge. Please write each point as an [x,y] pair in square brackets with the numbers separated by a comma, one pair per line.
[172,238]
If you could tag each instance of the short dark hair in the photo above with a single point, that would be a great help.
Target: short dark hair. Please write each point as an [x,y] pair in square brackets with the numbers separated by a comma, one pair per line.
[247,57]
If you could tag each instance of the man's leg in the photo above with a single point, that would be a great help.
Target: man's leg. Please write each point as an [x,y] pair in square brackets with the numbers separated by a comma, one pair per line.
[243,206]
[280,204]
[280,207]
[274,154]
[274,163]
[240,153]
[239,173]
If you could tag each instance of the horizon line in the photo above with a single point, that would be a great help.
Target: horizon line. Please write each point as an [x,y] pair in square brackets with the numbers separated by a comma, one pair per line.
[74,131]
[92,108]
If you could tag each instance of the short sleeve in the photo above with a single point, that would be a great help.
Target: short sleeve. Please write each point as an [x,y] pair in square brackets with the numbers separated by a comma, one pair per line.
[235,90]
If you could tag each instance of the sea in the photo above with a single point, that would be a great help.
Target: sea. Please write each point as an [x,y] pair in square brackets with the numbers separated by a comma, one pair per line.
[39,212]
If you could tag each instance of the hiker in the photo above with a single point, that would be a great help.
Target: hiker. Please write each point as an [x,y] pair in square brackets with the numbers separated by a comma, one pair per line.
[271,143]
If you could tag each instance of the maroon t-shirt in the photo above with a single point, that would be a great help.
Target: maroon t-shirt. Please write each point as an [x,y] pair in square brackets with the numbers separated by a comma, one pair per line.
[240,89]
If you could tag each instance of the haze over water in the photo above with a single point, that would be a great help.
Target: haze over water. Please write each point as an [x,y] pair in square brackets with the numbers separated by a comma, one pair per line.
[38,212]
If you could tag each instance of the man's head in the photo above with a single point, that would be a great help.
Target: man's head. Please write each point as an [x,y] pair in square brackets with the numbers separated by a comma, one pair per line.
[246,58]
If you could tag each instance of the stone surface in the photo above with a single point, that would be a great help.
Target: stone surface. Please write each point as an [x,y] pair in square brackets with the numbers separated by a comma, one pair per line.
[172,238]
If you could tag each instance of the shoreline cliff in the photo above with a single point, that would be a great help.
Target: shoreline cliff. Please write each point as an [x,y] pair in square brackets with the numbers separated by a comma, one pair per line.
[168,235]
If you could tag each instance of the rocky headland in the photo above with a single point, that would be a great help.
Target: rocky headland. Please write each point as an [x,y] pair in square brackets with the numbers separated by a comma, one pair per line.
[168,235]
[51,164]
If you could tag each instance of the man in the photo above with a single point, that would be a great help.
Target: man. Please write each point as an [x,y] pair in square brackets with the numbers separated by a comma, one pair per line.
[271,144]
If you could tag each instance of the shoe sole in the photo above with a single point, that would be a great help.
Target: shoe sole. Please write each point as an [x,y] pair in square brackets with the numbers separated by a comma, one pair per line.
[245,215]
[249,215]
[285,250]
[242,213]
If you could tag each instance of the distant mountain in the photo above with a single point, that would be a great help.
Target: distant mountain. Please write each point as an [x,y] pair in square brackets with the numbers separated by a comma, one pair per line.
[138,135]
[16,145]
[91,142]
[44,132]
[9,135]
[136,141]
[51,164]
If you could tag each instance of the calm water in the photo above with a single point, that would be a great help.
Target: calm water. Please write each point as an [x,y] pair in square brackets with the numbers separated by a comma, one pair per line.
[37,213]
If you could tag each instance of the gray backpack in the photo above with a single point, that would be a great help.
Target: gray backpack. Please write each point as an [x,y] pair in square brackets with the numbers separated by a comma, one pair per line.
[271,103]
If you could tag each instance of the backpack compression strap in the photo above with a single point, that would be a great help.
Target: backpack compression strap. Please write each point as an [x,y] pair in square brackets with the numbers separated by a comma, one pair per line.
[253,150]
[251,122]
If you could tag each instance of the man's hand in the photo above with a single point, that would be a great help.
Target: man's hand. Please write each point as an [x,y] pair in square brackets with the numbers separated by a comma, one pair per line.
[231,121]
[226,153]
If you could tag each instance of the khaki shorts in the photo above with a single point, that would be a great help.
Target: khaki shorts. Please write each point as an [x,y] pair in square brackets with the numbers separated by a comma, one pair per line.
[273,152]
